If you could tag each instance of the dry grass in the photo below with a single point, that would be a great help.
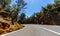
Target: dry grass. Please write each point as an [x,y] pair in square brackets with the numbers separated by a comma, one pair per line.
[11,28]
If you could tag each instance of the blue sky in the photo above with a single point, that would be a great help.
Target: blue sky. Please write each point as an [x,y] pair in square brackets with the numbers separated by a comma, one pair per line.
[34,6]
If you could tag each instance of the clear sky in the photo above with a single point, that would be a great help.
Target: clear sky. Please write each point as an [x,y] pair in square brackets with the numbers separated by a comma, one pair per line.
[34,6]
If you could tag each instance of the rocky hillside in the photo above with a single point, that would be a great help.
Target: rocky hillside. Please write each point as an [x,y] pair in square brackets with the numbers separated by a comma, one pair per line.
[6,25]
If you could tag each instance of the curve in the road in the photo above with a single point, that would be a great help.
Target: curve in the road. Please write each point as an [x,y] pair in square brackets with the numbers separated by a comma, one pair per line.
[50,30]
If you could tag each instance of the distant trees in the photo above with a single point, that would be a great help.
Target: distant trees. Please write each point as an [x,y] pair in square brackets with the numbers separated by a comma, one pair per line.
[22,18]
[49,15]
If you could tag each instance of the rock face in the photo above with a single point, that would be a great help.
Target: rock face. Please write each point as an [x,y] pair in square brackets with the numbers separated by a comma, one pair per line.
[6,25]
[4,17]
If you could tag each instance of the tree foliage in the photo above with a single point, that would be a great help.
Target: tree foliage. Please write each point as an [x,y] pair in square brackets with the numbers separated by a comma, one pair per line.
[48,15]
[14,10]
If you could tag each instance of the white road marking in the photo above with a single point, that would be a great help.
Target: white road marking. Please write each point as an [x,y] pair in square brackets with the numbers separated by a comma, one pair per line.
[50,30]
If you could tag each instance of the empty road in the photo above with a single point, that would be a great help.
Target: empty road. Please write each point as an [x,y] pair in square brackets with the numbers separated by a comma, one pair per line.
[36,30]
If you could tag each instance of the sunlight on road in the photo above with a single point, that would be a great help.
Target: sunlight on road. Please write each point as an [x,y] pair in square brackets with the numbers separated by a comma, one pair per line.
[35,30]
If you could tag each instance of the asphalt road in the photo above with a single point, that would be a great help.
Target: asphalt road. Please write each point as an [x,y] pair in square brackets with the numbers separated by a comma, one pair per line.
[36,30]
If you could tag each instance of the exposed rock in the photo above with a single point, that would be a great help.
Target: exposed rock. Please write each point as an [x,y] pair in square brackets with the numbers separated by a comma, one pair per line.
[6,25]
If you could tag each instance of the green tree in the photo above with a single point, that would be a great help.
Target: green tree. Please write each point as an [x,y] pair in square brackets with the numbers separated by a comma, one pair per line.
[14,10]
[3,3]
[17,8]
[57,1]
[22,18]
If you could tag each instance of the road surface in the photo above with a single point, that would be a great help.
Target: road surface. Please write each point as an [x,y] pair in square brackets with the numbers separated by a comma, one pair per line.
[36,30]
